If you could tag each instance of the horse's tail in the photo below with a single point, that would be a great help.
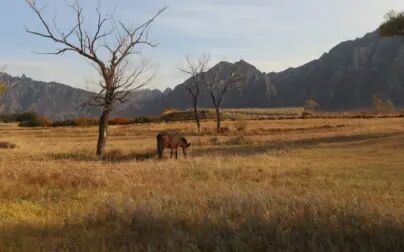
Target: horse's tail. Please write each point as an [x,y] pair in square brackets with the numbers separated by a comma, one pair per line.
[160,146]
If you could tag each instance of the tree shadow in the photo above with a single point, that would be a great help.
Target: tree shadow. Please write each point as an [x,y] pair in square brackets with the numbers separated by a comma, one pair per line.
[115,156]
[251,149]
[7,145]
[310,229]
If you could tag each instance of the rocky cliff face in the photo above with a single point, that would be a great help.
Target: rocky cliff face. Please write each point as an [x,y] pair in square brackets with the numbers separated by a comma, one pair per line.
[346,77]
[54,100]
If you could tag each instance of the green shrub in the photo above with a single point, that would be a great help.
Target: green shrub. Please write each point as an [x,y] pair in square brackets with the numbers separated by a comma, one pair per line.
[77,122]
[65,123]
[8,118]
[27,117]
[144,119]
[32,119]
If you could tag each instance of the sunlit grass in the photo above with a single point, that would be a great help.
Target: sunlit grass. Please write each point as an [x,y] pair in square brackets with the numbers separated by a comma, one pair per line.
[323,188]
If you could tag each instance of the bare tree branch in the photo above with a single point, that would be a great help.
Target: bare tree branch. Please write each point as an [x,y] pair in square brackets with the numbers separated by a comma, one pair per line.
[117,79]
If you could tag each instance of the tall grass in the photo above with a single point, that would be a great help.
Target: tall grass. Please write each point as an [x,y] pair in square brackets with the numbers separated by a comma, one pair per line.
[322,189]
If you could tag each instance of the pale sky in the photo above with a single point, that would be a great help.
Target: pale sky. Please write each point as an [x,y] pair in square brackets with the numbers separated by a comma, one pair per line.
[271,34]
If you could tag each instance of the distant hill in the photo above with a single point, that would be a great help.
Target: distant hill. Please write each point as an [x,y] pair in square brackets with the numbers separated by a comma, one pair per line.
[345,78]
[59,101]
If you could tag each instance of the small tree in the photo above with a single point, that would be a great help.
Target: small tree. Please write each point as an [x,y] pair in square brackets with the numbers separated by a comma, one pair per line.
[109,47]
[311,105]
[197,72]
[382,106]
[393,25]
[218,88]
[378,104]
[389,105]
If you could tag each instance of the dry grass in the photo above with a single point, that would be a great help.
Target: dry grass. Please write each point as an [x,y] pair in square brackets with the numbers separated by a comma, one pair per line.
[297,185]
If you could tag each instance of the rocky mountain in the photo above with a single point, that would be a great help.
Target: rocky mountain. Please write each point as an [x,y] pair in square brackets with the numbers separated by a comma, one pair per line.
[344,78]
[252,92]
[59,101]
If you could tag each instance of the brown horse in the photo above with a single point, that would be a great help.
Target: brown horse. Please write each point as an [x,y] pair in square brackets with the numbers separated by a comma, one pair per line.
[171,141]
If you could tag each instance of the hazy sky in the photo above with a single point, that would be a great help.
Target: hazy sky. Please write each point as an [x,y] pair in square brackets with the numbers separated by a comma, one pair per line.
[271,34]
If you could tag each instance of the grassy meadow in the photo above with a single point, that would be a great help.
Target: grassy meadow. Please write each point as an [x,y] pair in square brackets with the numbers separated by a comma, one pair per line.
[268,185]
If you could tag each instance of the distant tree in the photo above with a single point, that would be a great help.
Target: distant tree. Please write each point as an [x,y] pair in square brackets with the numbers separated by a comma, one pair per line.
[109,46]
[197,70]
[218,88]
[32,119]
[311,105]
[378,103]
[389,105]
[393,25]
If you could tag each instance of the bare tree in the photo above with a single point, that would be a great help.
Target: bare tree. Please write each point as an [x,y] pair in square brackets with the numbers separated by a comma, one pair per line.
[311,105]
[109,47]
[197,72]
[218,88]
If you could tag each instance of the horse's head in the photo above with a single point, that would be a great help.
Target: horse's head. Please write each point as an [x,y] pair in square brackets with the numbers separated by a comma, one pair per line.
[184,145]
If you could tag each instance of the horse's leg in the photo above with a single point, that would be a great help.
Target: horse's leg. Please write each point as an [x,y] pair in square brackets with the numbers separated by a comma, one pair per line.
[176,153]
[171,154]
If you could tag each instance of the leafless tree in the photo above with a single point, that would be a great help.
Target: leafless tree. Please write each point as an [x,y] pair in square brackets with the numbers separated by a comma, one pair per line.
[109,47]
[218,88]
[197,71]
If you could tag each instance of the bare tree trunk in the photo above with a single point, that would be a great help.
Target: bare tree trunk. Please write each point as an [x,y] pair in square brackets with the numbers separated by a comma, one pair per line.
[197,120]
[218,120]
[104,120]
[103,131]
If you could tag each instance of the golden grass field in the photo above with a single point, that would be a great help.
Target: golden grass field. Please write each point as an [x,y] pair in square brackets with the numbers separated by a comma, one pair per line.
[281,185]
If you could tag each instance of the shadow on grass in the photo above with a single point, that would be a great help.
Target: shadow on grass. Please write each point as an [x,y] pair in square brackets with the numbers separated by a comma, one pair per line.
[309,229]
[7,145]
[114,156]
[221,150]
[251,149]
